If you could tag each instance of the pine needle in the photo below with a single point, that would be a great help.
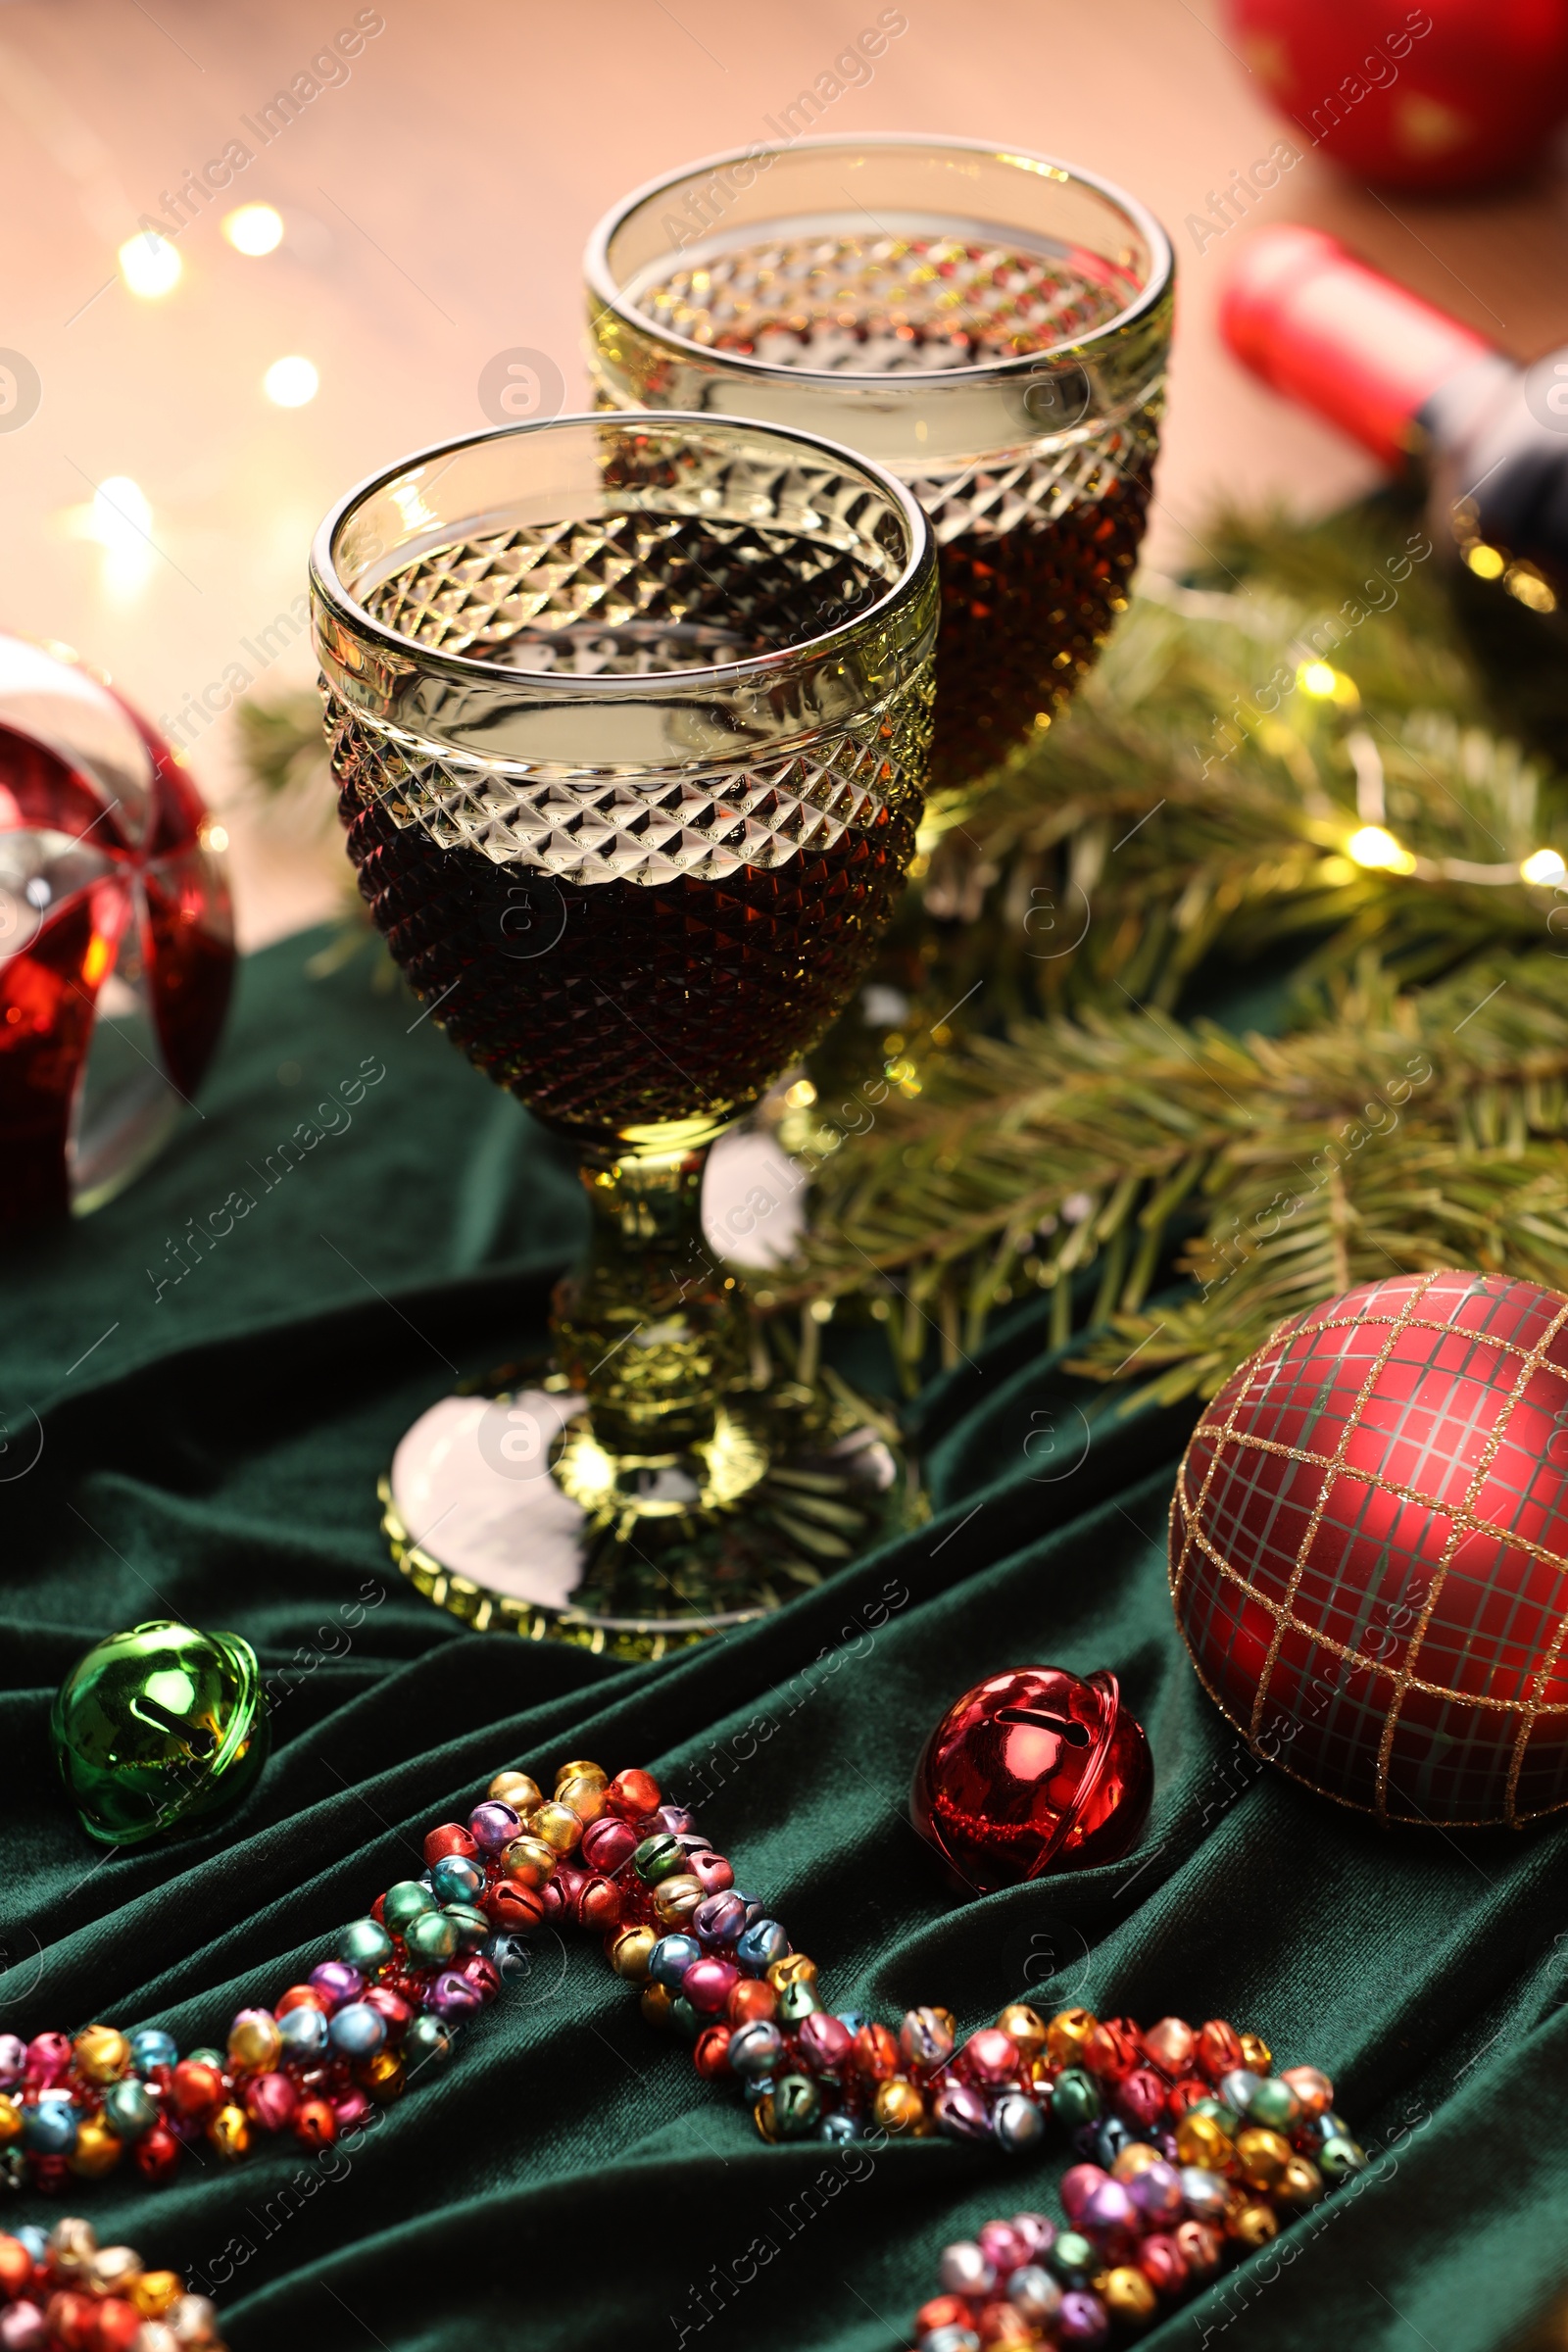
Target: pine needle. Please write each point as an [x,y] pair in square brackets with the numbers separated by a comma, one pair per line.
[1293,757]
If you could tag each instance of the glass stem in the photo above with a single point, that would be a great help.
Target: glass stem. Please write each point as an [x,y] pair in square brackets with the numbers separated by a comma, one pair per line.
[651,1330]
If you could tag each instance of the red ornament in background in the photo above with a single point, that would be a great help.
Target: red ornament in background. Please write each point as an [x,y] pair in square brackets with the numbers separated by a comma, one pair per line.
[1469,101]
[1369,1549]
[117,938]
[1032,1771]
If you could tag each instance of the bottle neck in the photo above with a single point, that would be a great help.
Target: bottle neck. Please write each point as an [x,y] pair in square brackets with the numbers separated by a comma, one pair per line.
[1324,329]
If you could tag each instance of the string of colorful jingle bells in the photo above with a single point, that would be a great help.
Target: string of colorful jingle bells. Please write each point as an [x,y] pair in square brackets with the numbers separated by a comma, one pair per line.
[1191,2145]
[63,2289]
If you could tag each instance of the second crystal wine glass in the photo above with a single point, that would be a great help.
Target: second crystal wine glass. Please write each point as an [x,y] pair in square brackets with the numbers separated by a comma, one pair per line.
[633,720]
[989,325]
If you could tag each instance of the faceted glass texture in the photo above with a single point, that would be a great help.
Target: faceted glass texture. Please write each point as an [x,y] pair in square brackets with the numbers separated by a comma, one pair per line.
[989,325]
[631,717]
[638,944]
[874,304]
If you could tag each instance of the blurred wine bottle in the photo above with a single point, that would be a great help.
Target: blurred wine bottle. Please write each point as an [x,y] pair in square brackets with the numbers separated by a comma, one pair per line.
[1437,404]
[1415,387]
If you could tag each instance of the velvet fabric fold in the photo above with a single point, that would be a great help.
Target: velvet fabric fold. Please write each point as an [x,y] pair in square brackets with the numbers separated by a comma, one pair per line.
[194,1427]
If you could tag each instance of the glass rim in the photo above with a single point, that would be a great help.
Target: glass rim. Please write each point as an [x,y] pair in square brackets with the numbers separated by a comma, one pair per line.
[329,586]
[610,296]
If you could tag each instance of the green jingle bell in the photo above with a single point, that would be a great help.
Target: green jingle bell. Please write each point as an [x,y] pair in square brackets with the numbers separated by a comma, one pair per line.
[158,1729]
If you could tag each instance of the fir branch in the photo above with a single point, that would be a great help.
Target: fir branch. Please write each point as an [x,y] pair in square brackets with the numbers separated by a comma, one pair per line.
[1197,796]
[1199,800]
[1423,1128]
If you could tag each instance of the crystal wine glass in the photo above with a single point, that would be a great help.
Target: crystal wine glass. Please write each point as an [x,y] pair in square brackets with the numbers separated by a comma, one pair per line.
[632,716]
[990,325]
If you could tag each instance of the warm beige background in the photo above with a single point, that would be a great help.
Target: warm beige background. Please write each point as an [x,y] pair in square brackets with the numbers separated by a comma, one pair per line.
[437,204]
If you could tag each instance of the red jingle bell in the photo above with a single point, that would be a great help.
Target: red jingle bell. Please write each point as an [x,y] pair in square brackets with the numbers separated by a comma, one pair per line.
[1032,1771]
[512,1908]
[158,2153]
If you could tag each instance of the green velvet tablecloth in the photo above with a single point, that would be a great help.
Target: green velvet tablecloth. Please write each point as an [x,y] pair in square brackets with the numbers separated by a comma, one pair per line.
[210,1449]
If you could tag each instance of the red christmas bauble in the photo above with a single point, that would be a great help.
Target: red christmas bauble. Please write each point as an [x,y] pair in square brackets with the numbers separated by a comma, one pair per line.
[1032,1771]
[117,941]
[1467,101]
[1369,1549]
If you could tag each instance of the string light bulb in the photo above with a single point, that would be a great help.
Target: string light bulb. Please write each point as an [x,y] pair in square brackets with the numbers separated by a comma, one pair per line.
[290,383]
[1374,847]
[150,264]
[1543,867]
[119,520]
[253,228]
[1321,682]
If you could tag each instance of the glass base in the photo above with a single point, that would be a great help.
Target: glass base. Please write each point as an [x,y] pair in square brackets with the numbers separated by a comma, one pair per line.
[503,1508]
